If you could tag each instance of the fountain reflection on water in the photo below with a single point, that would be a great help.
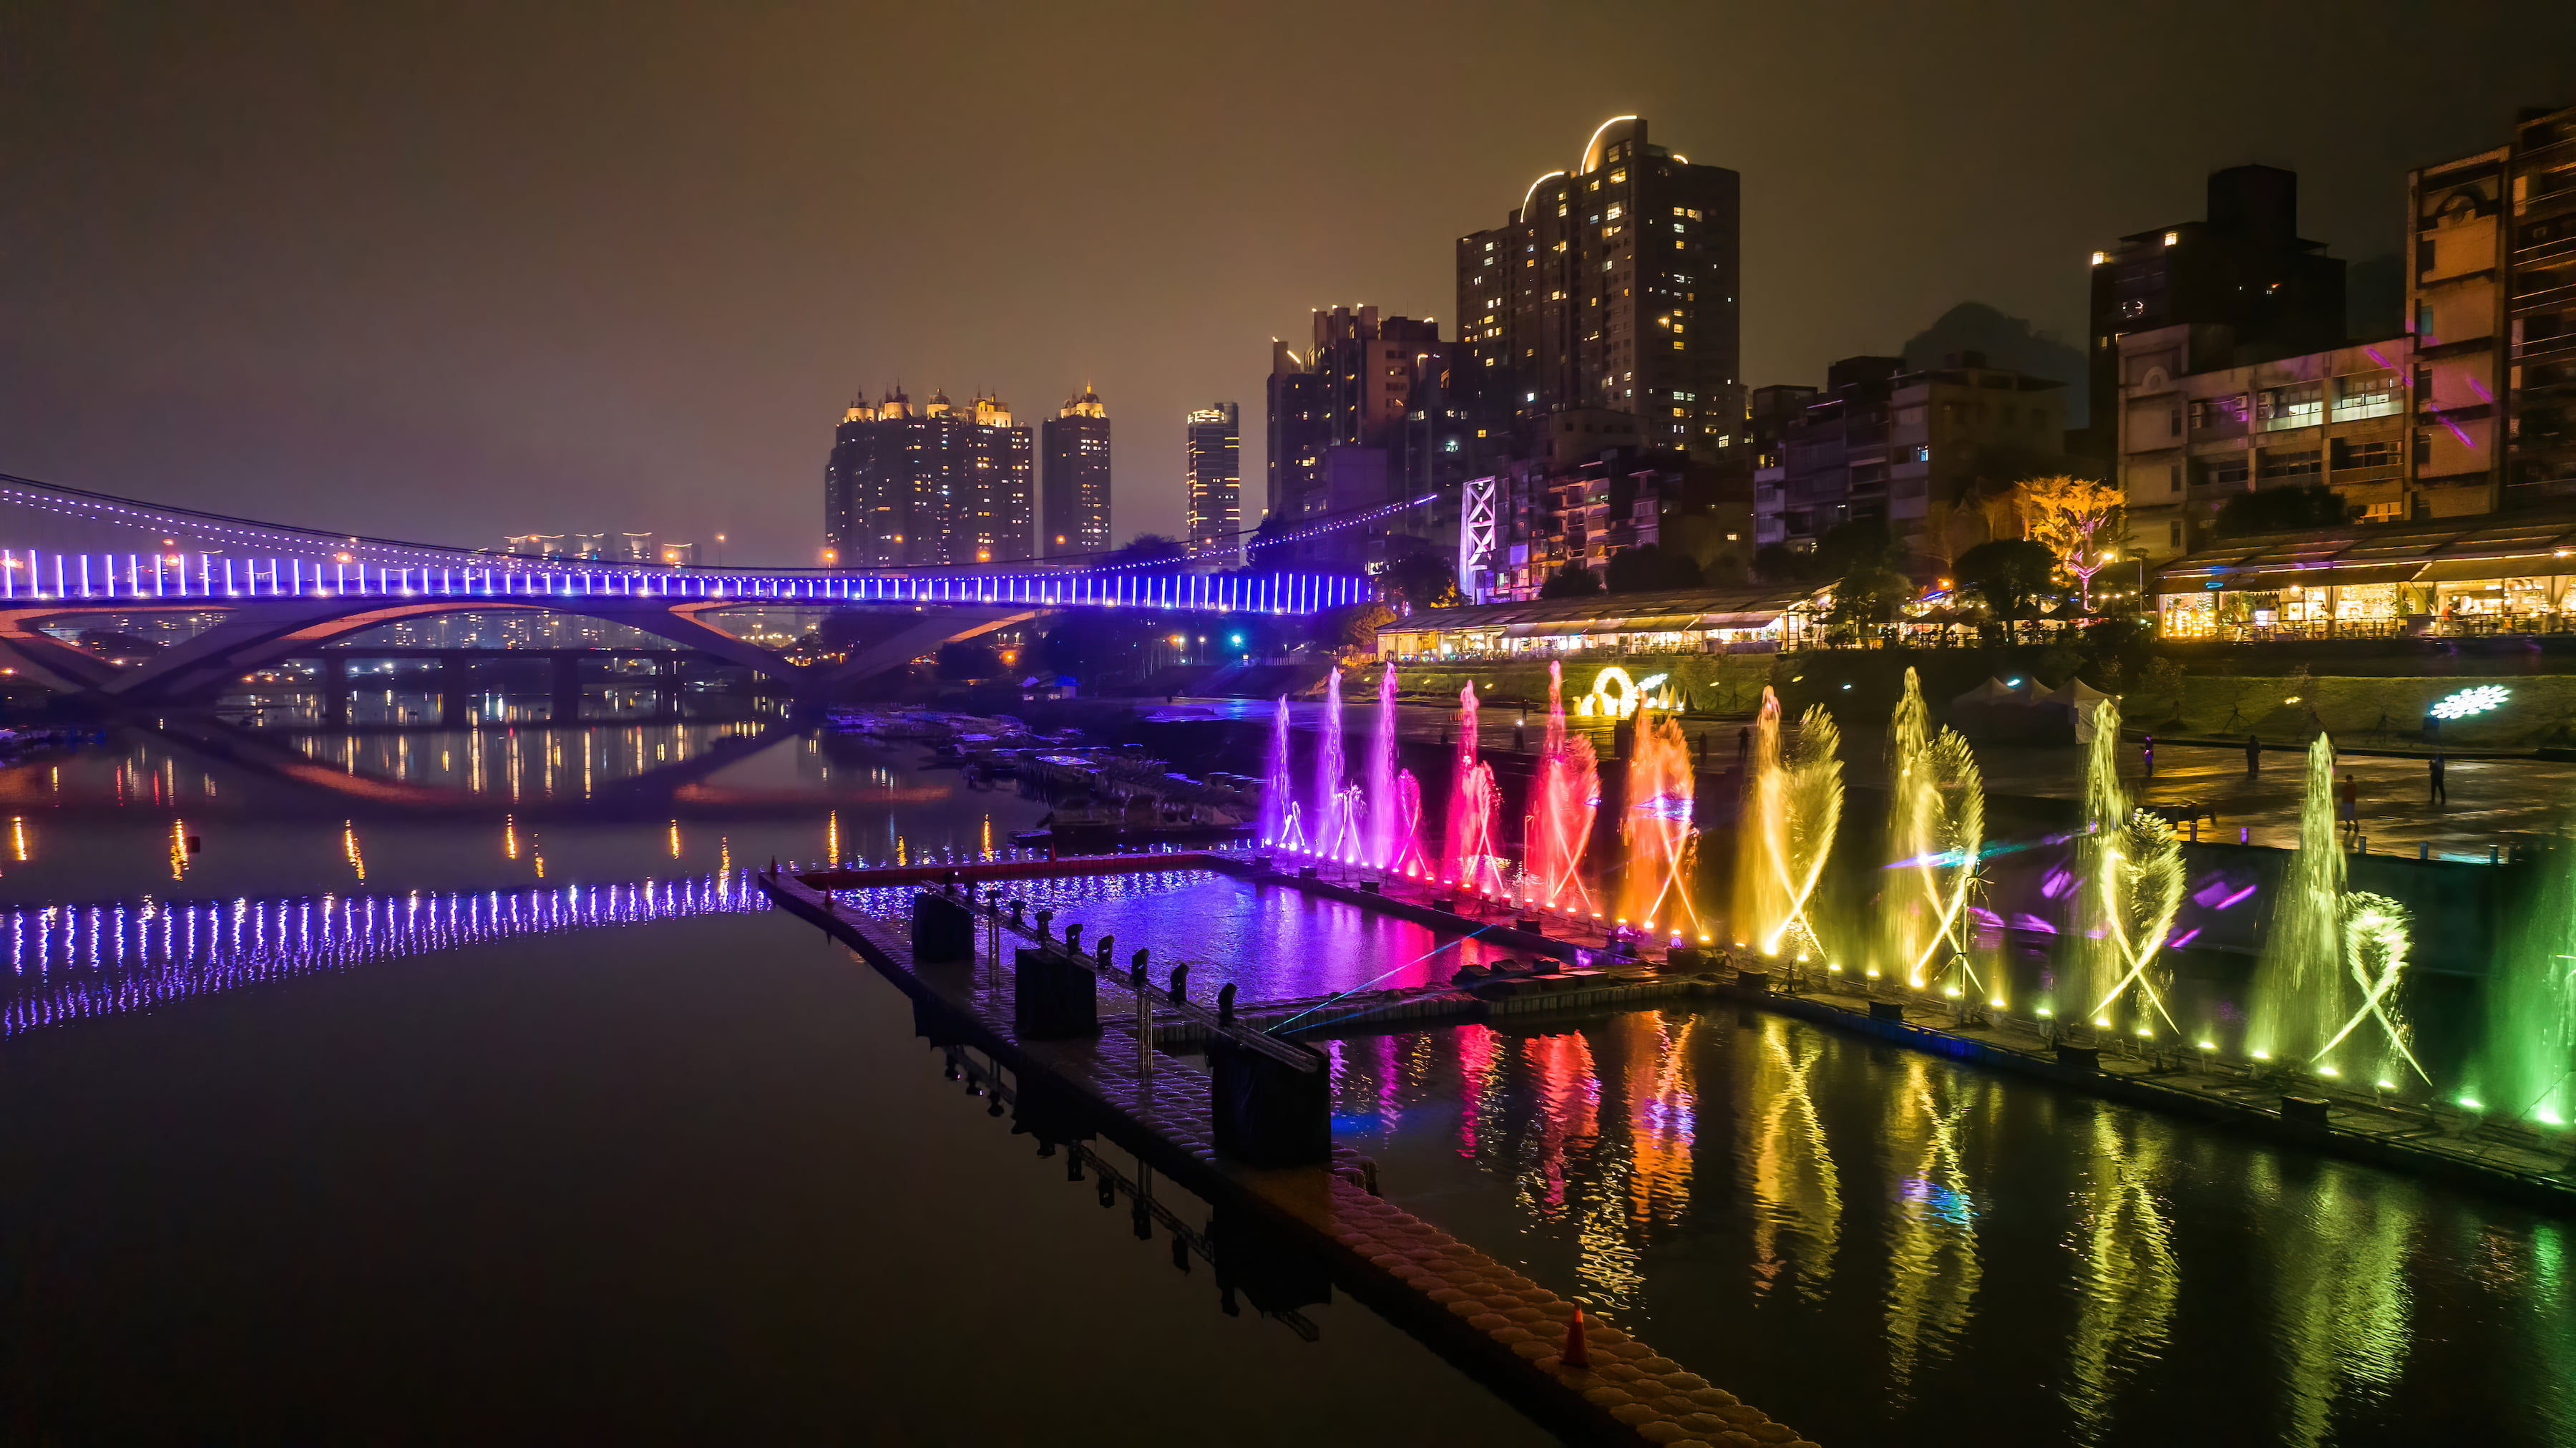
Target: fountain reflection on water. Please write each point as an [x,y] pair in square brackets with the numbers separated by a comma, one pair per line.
[1900,1249]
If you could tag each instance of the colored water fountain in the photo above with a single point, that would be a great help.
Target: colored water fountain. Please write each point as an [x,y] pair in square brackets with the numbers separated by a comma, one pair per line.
[1936,841]
[1278,792]
[1563,800]
[1382,812]
[1661,841]
[2324,998]
[1792,808]
[1330,812]
[2524,1067]
[2130,863]
[1470,858]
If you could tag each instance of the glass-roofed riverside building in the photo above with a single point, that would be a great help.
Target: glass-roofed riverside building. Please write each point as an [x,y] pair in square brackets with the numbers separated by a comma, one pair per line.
[1673,621]
[2481,575]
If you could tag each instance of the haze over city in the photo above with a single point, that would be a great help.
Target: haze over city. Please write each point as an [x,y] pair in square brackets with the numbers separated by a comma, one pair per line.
[1647,725]
[449,274]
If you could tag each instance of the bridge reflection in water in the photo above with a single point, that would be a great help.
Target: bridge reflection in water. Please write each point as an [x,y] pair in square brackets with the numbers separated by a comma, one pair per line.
[760,767]
[72,962]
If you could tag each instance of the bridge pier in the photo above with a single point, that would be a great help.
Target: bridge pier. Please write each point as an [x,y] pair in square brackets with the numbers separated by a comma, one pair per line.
[566,708]
[335,691]
[455,688]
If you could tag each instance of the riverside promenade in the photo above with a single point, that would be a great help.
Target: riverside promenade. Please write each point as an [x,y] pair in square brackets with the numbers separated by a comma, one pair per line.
[1490,1320]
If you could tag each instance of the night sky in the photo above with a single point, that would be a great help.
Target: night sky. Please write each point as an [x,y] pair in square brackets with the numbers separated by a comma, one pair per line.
[447,272]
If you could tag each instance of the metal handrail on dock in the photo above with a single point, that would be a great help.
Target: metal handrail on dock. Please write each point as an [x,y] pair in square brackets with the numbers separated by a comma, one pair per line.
[1219,1022]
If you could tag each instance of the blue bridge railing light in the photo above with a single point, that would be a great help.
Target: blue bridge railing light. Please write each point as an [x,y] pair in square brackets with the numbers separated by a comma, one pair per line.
[251,559]
[30,576]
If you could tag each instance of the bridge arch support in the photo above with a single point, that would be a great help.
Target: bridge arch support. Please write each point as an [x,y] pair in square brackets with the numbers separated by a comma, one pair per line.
[254,634]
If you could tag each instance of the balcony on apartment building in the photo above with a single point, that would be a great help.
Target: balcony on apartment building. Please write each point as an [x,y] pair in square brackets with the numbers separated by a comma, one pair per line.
[2216,419]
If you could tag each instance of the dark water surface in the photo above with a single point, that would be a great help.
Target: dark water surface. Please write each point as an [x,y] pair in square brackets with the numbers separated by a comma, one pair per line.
[1877,1246]
[457,1087]
[280,1167]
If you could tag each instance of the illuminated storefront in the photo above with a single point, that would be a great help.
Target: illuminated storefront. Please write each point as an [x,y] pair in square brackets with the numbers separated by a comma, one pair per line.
[1677,621]
[2464,576]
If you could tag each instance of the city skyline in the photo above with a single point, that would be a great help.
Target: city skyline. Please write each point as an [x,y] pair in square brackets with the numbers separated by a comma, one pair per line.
[409,321]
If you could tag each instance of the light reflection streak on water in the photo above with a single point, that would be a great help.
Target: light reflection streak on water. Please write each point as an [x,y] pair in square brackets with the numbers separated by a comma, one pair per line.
[2541,1273]
[74,962]
[1482,1080]
[1568,1119]
[1790,1175]
[1935,1269]
[2128,1276]
[1991,1247]
[1663,1116]
[2342,1301]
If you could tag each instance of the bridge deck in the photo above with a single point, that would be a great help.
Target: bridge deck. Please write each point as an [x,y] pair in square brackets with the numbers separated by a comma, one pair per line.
[185,578]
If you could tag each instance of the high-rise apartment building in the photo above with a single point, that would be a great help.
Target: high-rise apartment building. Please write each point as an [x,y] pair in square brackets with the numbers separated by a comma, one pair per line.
[1360,419]
[1613,287]
[938,484]
[1297,433]
[2244,268]
[1212,468]
[1074,490]
[2491,297]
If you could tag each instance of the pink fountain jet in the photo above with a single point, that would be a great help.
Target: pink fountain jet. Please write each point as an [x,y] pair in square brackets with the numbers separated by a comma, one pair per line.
[1563,800]
[1471,807]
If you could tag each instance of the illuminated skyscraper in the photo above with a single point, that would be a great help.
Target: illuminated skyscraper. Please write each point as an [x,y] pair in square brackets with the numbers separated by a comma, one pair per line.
[1212,465]
[935,485]
[1612,289]
[1074,494]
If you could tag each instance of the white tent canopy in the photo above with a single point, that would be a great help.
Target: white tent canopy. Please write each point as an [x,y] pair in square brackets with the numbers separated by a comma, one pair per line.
[2078,698]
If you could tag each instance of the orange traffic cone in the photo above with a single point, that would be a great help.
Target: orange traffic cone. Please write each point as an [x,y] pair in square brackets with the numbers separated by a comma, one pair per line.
[1575,1355]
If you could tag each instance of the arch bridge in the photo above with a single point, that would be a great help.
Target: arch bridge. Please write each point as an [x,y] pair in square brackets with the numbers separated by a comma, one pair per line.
[276,591]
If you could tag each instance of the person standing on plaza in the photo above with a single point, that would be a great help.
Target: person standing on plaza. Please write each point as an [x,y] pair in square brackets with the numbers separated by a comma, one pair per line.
[1743,745]
[2348,805]
[2147,751]
[2434,769]
[2253,754]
